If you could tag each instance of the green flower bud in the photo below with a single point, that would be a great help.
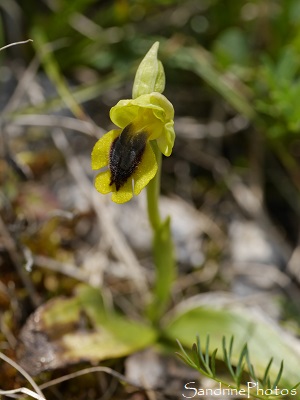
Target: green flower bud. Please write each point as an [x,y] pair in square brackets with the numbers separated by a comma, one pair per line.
[150,75]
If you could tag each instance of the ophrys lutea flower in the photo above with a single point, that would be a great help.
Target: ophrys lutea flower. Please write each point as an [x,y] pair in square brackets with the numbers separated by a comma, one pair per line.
[127,152]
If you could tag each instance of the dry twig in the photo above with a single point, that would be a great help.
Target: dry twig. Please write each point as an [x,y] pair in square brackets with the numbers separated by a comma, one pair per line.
[15,43]
[38,393]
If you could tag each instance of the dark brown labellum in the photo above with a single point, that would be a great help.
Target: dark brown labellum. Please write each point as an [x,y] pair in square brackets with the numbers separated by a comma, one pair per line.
[125,155]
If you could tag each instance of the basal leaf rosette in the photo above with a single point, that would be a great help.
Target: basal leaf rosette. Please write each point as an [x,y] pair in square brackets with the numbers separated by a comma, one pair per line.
[126,152]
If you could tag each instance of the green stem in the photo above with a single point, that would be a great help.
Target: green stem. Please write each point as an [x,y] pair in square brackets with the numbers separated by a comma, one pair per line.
[153,190]
[163,249]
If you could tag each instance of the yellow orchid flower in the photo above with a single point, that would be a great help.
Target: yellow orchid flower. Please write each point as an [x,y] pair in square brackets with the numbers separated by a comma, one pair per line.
[127,152]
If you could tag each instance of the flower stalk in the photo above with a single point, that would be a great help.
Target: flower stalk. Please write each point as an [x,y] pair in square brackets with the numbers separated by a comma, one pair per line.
[153,191]
[163,248]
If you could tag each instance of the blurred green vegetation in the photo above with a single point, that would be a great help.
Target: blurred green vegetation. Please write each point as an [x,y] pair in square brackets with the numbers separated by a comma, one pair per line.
[253,46]
[257,41]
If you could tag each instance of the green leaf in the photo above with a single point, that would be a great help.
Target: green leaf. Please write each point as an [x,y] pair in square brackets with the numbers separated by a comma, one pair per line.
[207,356]
[185,357]
[80,329]
[263,341]
[228,354]
[213,362]
[278,376]
[241,365]
[266,374]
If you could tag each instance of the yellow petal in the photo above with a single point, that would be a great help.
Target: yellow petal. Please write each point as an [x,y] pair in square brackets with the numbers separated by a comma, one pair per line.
[100,153]
[124,194]
[146,170]
[102,182]
[159,100]
[123,113]
[152,112]
[166,141]
[156,129]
